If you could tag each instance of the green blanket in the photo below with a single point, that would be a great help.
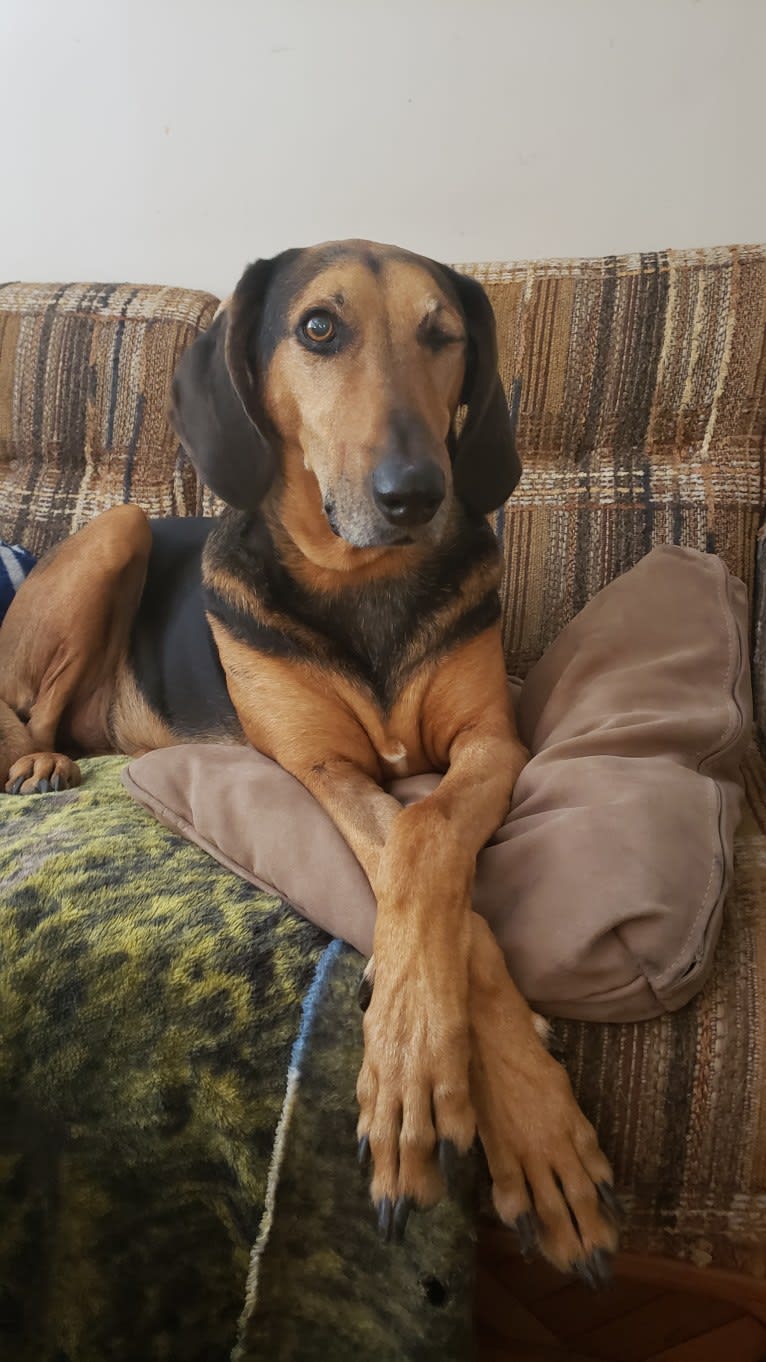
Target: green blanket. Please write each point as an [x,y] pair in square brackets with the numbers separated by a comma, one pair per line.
[178,1055]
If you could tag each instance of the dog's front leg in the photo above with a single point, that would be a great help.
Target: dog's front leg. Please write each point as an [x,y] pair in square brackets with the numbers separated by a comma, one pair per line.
[414,1084]
[448,1038]
[413,1088]
[550,1179]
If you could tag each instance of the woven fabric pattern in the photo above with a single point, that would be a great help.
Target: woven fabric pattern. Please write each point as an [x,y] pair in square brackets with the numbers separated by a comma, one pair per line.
[680,1102]
[642,421]
[85,373]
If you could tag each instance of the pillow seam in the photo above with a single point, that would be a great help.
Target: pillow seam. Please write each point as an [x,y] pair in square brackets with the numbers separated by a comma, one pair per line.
[731,731]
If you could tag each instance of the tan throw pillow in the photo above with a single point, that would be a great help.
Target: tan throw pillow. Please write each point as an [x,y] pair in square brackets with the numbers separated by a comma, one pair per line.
[606,883]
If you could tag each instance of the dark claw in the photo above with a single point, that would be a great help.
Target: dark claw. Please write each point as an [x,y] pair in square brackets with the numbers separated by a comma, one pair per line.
[448,1162]
[364,992]
[586,1275]
[17,784]
[385,1218]
[401,1215]
[600,1263]
[363,1156]
[556,1048]
[57,783]
[526,1229]
[610,1202]
[42,787]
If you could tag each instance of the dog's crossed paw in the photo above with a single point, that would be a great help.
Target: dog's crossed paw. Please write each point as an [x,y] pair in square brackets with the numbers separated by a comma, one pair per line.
[551,1181]
[415,1111]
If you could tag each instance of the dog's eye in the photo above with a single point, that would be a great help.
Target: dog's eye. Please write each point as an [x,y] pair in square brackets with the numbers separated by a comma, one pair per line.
[319,327]
[434,338]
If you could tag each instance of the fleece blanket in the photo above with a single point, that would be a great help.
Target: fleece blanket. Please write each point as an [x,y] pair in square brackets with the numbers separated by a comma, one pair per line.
[178,1056]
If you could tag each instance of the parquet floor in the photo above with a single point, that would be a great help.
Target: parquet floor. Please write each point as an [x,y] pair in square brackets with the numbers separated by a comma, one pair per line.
[528,1313]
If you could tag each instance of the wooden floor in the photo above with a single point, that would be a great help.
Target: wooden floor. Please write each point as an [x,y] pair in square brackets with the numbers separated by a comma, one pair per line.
[529,1313]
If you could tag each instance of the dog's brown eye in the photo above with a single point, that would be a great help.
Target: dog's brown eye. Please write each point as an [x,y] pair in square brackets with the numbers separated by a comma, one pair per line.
[319,327]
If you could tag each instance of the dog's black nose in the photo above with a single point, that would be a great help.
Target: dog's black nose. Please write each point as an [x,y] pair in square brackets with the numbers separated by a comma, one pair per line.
[408,493]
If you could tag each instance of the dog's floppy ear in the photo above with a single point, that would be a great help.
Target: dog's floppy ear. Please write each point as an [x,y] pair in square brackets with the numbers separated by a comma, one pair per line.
[486,466]
[216,409]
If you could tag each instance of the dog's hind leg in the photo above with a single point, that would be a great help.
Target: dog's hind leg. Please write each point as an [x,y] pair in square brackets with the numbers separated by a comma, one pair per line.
[62,641]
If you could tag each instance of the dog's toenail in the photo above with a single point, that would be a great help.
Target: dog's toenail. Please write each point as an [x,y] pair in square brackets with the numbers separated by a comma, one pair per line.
[600,1263]
[17,784]
[401,1215]
[56,783]
[526,1231]
[610,1202]
[385,1218]
[556,1048]
[364,992]
[363,1153]
[42,787]
[587,1277]
[448,1161]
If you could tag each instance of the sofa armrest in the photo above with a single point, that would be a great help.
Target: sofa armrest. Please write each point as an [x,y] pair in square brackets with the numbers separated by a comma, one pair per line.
[85,373]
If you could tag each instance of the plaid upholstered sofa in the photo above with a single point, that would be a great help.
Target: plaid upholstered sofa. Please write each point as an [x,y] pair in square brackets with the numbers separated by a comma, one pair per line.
[177,1050]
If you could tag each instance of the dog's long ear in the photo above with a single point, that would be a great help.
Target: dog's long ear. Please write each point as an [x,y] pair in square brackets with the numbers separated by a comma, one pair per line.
[486,466]
[216,409]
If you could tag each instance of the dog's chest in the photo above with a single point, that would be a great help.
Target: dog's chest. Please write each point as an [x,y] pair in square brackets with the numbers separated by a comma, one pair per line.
[376,644]
[379,635]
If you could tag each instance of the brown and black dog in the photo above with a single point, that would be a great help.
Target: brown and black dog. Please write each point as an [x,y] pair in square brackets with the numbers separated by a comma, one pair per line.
[342,617]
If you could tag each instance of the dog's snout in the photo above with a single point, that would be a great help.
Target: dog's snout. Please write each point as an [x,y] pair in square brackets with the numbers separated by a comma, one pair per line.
[408,493]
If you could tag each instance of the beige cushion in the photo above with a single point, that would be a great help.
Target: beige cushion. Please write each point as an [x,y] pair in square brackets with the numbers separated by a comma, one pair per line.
[606,883]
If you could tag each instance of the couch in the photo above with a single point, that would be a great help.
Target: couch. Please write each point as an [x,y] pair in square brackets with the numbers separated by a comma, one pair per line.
[178,1050]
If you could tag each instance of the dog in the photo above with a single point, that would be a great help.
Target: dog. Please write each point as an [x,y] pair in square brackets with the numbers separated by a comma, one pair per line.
[342,616]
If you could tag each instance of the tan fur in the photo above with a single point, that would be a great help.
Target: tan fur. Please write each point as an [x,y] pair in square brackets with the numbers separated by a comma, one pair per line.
[449,1042]
[134,726]
[80,601]
[447,1035]
[330,433]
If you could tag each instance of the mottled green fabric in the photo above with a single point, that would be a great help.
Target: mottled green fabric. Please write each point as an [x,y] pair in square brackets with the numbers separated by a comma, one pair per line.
[166,1189]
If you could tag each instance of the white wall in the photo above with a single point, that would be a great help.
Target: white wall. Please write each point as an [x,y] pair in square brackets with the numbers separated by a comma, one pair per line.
[174,140]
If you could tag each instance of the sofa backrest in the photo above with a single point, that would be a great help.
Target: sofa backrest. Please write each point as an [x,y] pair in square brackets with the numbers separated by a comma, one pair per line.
[643,416]
[643,421]
[85,374]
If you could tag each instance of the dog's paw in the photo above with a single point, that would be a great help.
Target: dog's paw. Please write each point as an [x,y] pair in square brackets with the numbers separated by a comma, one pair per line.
[415,1110]
[40,772]
[550,1180]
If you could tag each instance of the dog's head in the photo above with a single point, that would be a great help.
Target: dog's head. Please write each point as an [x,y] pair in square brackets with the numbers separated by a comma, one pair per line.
[346,364]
